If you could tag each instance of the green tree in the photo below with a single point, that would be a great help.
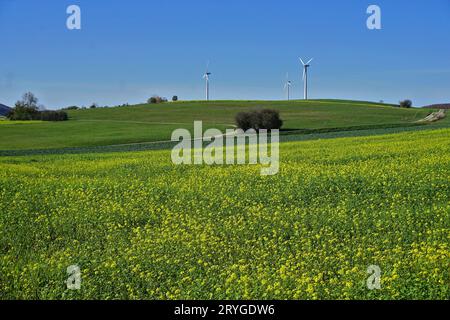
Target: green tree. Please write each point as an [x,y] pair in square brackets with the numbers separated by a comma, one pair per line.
[406,103]
[26,108]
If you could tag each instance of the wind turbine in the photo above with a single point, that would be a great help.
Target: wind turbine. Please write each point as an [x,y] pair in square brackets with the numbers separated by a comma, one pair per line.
[305,77]
[287,86]
[206,77]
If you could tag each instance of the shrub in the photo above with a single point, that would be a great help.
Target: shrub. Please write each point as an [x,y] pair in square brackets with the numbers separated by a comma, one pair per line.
[406,103]
[270,119]
[259,119]
[53,116]
[156,99]
[20,113]
[244,120]
[175,98]
[93,106]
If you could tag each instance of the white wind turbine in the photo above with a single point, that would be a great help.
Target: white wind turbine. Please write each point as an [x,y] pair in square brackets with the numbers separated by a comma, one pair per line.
[206,77]
[305,77]
[287,86]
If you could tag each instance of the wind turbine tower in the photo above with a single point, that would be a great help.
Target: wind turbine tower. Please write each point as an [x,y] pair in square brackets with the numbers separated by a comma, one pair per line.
[287,87]
[206,77]
[305,77]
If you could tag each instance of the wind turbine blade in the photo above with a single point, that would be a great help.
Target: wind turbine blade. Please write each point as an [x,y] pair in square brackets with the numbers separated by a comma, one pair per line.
[304,73]
[310,61]
[302,61]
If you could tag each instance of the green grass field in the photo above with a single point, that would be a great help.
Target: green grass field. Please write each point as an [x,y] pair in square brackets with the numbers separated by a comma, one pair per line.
[146,123]
[141,228]
[360,184]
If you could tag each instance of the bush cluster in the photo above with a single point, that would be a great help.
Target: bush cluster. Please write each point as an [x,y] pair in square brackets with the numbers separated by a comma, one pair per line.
[53,116]
[156,99]
[406,103]
[259,119]
[28,109]
[25,113]
[22,112]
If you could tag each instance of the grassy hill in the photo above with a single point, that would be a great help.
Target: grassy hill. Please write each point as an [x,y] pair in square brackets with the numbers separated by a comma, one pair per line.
[146,123]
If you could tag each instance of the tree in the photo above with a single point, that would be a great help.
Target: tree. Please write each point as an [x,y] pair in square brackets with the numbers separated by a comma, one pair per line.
[25,109]
[29,100]
[244,120]
[71,108]
[156,99]
[28,109]
[406,103]
[175,98]
[269,119]
[260,119]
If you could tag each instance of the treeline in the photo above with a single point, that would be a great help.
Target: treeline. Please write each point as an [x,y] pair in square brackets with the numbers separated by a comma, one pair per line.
[157,99]
[30,114]
[28,109]
[152,100]
[93,106]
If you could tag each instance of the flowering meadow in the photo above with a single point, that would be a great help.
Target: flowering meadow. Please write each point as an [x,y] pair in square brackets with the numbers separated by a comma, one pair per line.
[140,227]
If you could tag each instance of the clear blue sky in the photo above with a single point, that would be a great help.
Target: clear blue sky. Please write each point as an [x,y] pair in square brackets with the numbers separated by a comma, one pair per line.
[129,50]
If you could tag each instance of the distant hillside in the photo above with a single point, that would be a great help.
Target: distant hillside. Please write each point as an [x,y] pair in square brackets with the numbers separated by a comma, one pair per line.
[4,110]
[438,106]
[154,123]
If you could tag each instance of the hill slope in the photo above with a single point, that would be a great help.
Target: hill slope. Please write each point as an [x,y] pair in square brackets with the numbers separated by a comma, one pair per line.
[143,123]
[4,110]
[438,106]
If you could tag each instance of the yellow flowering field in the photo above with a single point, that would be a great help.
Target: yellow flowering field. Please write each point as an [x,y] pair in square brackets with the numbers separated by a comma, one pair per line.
[140,227]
